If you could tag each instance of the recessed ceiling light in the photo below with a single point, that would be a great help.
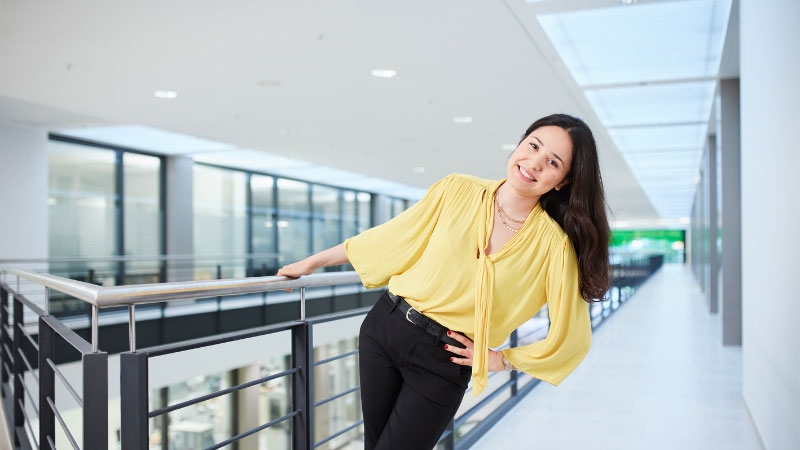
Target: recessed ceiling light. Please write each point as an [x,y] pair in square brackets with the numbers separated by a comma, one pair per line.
[165,94]
[462,119]
[418,170]
[383,73]
[627,2]
[269,83]
[509,147]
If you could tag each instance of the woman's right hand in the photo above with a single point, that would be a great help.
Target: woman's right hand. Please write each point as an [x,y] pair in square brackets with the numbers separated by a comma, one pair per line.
[295,270]
[330,257]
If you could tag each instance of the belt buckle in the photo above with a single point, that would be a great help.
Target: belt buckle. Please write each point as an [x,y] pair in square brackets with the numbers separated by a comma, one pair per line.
[411,308]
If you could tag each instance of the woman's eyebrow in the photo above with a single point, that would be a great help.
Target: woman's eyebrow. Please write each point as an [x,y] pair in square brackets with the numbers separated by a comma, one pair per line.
[542,145]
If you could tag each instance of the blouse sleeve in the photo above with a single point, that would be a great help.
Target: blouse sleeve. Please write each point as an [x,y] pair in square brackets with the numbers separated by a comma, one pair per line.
[392,247]
[570,334]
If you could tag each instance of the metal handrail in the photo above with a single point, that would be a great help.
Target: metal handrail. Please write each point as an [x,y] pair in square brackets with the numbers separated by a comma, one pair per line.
[108,296]
[138,294]
[187,257]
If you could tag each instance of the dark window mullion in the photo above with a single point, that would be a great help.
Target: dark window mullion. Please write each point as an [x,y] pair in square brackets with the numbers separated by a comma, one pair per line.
[119,200]
[248,227]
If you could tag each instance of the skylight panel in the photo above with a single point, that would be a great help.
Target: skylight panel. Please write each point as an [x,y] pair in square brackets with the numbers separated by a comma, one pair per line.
[671,159]
[653,104]
[656,41]
[658,137]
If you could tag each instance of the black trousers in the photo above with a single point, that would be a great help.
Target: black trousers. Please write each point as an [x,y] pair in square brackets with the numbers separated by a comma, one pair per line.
[409,388]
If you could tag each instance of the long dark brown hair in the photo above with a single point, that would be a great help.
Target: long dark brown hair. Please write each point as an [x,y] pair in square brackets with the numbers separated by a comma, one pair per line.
[580,206]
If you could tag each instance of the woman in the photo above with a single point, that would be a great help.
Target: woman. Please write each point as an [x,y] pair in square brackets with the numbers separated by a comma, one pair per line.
[465,266]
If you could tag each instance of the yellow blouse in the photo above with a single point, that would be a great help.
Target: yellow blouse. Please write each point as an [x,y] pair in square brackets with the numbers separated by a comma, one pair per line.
[433,255]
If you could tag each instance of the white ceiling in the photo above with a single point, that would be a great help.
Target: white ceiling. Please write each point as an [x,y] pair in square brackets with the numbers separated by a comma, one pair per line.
[292,79]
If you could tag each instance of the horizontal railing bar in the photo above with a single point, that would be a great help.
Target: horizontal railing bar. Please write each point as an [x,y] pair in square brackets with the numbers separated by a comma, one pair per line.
[27,335]
[483,402]
[157,292]
[339,395]
[203,398]
[338,433]
[32,306]
[64,381]
[63,425]
[192,344]
[482,426]
[70,336]
[253,431]
[8,351]
[334,358]
[30,397]
[30,430]
[28,365]
[316,320]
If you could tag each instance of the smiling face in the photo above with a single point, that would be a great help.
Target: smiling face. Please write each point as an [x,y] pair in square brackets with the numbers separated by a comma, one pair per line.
[541,162]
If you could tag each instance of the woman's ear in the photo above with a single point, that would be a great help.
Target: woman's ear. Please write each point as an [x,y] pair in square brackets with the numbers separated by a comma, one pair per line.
[563,183]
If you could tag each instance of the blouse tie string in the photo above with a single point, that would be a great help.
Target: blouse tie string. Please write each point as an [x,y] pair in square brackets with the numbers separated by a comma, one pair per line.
[483,298]
[483,307]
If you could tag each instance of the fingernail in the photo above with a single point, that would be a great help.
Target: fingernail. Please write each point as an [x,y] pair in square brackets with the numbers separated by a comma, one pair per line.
[451,359]
[445,346]
[448,332]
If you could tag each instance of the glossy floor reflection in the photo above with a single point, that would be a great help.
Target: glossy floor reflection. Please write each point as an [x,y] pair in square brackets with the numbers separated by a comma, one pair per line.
[657,378]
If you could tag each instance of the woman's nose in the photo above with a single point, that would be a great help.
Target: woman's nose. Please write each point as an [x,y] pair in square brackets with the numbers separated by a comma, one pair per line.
[538,161]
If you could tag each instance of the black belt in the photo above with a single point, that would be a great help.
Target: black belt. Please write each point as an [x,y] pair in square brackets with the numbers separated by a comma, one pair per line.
[417,318]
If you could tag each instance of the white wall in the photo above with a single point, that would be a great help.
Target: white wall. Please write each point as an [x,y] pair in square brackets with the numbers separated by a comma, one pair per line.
[770,114]
[23,192]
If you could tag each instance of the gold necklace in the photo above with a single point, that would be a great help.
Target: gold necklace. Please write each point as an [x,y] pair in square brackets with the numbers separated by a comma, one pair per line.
[504,216]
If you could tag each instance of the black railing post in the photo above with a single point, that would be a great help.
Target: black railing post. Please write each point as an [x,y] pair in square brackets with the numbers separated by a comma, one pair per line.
[513,375]
[302,387]
[95,401]
[47,388]
[19,366]
[5,361]
[5,339]
[133,401]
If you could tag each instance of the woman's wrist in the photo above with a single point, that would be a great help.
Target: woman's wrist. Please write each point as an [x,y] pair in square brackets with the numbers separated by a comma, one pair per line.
[496,361]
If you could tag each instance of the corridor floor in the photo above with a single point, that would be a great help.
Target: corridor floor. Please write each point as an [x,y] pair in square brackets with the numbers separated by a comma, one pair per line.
[657,377]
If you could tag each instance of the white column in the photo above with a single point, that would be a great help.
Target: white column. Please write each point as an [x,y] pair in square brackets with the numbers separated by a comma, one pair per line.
[770,114]
[23,189]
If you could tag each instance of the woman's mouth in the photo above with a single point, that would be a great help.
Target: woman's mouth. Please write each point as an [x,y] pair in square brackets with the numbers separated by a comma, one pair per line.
[525,174]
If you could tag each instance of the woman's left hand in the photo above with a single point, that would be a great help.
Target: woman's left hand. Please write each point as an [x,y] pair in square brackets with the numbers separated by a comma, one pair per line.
[495,358]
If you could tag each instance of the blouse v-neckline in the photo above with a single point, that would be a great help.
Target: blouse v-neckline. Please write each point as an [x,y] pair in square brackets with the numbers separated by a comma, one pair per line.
[485,233]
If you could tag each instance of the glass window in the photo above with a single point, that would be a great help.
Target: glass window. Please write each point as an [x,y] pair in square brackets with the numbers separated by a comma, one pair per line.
[325,201]
[83,217]
[143,215]
[364,211]
[263,225]
[220,199]
[293,220]
[349,214]
[398,205]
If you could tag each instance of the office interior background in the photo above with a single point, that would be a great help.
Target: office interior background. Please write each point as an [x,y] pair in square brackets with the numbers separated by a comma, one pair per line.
[277,129]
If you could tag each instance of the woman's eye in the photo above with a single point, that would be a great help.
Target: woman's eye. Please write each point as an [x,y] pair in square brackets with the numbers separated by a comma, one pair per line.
[553,163]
